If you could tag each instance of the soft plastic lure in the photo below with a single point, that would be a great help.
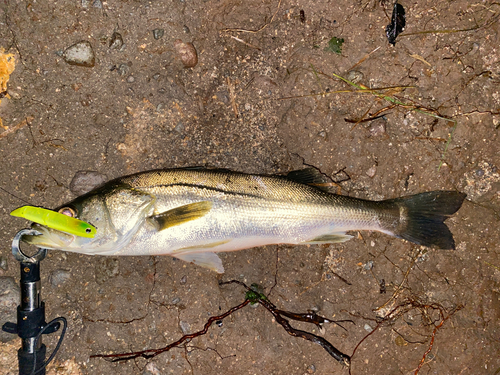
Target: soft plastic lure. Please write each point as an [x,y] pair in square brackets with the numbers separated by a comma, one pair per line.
[56,221]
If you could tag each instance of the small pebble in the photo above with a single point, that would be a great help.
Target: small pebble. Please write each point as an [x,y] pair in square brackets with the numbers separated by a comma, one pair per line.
[187,53]
[116,41]
[123,69]
[185,327]
[368,328]
[176,300]
[314,309]
[475,48]
[354,76]
[4,263]
[371,172]
[59,277]
[183,280]
[97,4]
[158,33]
[130,79]
[80,54]
[186,29]
[311,369]
[156,76]
[368,265]
[377,128]
[223,96]
[151,369]
[179,127]
[400,341]
[85,181]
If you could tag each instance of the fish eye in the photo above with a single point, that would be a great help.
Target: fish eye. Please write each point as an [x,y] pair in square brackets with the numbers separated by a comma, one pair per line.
[88,230]
[68,211]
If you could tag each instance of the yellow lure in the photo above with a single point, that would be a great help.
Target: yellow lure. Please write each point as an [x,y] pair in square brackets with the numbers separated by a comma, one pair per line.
[56,221]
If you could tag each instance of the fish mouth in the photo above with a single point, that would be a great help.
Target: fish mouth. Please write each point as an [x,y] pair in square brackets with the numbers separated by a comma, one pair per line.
[48,238]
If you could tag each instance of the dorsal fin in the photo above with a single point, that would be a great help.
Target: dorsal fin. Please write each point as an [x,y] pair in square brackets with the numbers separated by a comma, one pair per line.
[202,168]
[311,176]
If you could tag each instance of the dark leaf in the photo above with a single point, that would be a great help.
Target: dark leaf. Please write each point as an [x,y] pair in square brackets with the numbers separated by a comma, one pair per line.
[335,45]
[397,25]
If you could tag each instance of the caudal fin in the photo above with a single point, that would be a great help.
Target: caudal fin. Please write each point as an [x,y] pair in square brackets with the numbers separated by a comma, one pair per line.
[422,217]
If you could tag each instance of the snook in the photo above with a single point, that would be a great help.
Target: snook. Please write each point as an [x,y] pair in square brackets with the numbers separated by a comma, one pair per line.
[191,214]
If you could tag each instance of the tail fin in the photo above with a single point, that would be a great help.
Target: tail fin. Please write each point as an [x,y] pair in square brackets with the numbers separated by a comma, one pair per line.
[422,217]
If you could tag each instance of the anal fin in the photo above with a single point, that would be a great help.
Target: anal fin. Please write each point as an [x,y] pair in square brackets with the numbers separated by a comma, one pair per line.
[210,245]
[180,215]
[329,238]
[208,260]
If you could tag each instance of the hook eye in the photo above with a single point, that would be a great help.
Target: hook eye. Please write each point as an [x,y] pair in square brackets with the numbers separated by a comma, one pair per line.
[16,249]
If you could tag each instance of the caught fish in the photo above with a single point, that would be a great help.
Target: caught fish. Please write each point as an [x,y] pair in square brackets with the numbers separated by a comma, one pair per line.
[193,213]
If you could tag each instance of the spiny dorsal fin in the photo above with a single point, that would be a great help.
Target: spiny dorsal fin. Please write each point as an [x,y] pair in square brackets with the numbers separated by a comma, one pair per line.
[310,176]
[179,215]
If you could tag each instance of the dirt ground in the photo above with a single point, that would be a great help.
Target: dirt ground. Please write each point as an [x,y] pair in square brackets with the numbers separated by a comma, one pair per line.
[263,99]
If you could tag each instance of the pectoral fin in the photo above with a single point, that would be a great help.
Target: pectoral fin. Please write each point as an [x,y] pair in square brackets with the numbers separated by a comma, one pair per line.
[329,238]
[208,260]
[180,215]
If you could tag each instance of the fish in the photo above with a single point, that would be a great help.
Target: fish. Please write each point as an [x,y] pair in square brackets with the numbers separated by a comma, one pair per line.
[194,213]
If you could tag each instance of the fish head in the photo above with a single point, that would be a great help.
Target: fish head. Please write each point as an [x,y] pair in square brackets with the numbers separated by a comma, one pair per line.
[117,212]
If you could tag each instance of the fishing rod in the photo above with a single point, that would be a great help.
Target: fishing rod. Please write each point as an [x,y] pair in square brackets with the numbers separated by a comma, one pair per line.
[31,324]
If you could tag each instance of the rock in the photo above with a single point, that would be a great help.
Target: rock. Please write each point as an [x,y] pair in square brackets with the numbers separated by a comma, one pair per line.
[116,41]
[158,33]
[80,54]
[187,53]
[4,263]
[151,369]
[10,297]
[354,76]
[59,277]
[371,172]
[377,128]
[185,327]
[123,69]
[85,181]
